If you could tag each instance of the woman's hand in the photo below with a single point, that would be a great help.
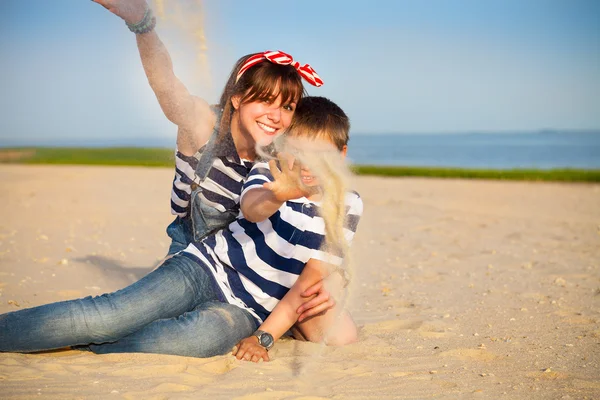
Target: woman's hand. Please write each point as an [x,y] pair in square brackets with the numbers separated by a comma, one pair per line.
[323,301]
[248,349]
[132,11]
[287,184]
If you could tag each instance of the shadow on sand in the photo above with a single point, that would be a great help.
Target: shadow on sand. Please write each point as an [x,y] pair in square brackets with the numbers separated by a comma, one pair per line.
[114,268]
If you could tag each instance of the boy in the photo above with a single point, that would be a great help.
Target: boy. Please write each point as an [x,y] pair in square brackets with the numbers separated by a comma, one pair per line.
[286,215]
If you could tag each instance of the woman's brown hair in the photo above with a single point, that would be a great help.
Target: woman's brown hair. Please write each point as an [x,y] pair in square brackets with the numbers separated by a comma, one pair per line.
[263,82]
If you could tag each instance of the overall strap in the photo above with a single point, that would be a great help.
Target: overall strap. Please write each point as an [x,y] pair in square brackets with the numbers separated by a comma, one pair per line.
[206,159]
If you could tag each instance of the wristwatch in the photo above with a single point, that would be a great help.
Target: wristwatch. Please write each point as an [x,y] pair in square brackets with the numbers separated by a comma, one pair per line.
[265,339]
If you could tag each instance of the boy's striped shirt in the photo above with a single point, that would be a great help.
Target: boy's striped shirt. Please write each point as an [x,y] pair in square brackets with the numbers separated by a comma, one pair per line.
[255,264]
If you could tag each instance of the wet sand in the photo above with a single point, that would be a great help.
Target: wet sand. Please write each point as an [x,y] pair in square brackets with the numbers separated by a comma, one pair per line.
[462,289]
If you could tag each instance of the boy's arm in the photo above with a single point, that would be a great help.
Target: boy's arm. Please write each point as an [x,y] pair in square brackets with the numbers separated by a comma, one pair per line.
[284,314]
[260,203]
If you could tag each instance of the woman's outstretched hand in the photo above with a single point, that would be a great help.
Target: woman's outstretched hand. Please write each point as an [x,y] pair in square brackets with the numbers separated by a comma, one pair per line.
[248,349]
[132,11]
[323,301]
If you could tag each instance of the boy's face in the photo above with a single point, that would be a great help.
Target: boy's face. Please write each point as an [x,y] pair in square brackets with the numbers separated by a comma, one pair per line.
[306,175]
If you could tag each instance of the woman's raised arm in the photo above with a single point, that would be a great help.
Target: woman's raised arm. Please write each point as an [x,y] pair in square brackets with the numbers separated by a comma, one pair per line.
[191,114]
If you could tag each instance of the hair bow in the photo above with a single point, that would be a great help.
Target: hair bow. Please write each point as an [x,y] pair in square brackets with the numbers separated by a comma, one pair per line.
[279,57]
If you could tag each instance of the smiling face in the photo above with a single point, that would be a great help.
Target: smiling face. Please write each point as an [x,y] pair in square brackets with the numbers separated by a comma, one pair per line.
[307,177]
[314,155]
[262,120]
[260,104]
[318,136]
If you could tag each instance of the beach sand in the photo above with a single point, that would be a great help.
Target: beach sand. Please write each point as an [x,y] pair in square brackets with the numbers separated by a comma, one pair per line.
[462,289]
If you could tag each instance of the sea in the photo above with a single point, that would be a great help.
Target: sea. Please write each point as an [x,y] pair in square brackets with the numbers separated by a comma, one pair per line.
[536,150]
[546,149]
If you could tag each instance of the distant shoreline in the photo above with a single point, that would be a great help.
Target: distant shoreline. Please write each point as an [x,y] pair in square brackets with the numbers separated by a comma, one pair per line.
[162,157]
[168,141]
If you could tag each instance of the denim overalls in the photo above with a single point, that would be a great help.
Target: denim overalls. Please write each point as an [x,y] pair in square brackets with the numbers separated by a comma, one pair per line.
[202,219]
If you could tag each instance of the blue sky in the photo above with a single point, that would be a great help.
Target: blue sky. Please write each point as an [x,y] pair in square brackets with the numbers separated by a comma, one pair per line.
[69,70]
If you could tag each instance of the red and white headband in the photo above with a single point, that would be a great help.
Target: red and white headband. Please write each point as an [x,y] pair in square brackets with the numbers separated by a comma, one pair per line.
[281,58]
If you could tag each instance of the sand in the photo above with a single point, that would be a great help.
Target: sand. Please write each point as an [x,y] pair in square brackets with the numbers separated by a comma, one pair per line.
[462,289]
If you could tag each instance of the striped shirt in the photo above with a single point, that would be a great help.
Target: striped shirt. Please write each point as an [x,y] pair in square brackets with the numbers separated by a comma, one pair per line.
[223,185]
[255,264]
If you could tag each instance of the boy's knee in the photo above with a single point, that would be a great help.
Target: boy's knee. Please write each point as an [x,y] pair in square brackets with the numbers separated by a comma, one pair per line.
[343,337]
[340,332]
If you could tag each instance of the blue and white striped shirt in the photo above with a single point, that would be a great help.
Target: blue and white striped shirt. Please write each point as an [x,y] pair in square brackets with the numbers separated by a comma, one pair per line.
[255,264]
[223,185]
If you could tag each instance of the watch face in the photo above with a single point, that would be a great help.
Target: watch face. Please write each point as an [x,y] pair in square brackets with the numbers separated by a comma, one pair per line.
[266,340]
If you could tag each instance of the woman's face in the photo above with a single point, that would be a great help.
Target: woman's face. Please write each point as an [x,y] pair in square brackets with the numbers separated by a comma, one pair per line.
[263,120]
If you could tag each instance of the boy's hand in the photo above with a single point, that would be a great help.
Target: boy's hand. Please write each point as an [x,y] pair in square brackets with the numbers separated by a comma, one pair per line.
[320,303]
[132,11]
[248,349]
[287,184]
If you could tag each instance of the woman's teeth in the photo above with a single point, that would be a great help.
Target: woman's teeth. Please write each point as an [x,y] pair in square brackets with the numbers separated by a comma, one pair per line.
[266,128]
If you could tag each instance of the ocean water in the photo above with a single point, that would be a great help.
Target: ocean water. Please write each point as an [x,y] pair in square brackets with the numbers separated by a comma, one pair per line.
[538,150]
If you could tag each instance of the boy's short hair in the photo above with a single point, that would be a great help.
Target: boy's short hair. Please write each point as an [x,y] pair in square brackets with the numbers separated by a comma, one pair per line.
[319,116]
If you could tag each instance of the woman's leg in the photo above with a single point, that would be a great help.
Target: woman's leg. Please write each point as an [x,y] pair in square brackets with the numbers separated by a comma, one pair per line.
[174,288]
[211,329]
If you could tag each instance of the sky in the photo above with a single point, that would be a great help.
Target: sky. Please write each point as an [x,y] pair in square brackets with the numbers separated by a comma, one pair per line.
[70,71]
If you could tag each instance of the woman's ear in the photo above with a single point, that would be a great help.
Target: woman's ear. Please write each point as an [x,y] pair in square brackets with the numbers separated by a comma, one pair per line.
[344,150]
[235,101]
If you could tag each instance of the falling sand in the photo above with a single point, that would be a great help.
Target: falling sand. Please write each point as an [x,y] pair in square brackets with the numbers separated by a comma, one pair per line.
[326,163]
[184,21]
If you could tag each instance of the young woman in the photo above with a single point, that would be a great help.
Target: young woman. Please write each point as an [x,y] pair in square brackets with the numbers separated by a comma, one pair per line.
[216,146]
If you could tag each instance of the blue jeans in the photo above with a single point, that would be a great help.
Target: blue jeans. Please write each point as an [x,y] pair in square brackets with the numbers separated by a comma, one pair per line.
[181,233]
[176,309]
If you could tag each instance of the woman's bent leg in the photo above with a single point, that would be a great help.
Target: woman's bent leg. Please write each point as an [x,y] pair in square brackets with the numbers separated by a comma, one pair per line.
[172,289]
[211,329]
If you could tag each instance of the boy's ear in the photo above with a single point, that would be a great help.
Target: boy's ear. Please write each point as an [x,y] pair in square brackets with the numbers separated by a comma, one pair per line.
[235,101]
[344,151]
